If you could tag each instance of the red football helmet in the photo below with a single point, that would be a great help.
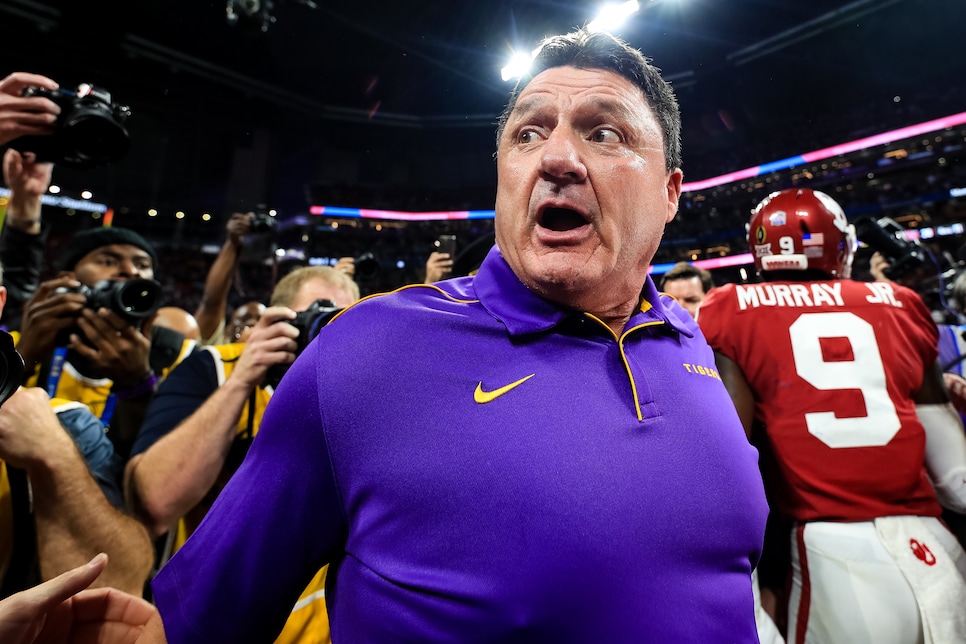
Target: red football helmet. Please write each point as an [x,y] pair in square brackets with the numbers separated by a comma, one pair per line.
[800,229]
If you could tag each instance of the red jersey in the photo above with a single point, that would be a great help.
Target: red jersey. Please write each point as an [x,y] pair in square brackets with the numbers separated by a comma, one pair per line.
[833,366]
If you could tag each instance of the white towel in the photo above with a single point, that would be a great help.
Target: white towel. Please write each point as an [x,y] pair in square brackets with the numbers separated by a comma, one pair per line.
[933,563]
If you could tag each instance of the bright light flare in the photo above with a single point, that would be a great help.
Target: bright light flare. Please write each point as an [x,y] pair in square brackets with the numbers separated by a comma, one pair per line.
[612,16]
[518,65]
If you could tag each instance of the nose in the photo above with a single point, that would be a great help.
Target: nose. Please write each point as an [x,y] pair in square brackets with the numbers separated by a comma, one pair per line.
[129,269]
[560,160]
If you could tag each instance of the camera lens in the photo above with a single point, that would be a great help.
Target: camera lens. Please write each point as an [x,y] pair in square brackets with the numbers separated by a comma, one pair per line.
[90,135]
[366,267]
[139,298]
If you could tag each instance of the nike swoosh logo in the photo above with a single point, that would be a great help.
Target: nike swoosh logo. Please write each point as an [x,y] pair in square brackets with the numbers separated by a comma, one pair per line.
[483,397]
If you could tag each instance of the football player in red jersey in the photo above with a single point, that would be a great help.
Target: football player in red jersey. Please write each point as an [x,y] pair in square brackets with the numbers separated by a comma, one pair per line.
[837,383]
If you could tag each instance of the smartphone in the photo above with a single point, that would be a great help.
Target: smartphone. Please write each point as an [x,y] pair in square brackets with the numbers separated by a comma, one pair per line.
[446,244]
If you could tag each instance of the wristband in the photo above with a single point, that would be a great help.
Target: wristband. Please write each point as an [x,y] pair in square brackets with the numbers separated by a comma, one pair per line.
[138,390]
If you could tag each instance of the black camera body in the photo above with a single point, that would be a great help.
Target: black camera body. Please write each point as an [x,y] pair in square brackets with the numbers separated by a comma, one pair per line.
[89,131]
[888,238]
[11,367]
[308,322]
[262,222]
[133,300]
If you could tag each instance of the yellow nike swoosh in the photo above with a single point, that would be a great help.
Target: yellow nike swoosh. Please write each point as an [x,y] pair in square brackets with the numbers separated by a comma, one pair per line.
[483,397]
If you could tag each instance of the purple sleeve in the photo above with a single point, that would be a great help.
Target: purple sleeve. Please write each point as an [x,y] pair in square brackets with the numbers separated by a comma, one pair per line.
[278,521]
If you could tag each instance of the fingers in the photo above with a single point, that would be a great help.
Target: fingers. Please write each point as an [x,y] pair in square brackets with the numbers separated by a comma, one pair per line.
[111,605]
[17,81]
[55,591]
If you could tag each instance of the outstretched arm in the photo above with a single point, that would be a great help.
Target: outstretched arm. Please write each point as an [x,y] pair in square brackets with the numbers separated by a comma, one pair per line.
[214,300]
[74,519]
[173,475]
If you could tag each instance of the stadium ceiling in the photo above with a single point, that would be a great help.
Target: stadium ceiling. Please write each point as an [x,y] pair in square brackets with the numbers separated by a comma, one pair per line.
[199,83]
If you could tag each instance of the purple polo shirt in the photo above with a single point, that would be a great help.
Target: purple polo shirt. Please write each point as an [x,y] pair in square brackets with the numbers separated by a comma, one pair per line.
[478,464]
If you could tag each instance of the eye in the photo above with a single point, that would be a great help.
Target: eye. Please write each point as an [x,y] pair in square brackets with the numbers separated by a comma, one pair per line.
[528,136]
[605,135]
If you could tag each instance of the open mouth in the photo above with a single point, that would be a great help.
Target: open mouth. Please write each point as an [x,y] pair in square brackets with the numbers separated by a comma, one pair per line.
[561,219]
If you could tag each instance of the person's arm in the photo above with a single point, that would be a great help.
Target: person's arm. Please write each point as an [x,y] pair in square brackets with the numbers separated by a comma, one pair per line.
[214,300]
[21,241]
[945,441]
[173,475]
[73,517]
[61,611]
[956,385]
[737,384]
[28,181]
[284,494]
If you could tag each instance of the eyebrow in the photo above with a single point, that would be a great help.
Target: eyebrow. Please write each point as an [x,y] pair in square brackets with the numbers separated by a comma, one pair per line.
[593,105]
[116,255]
[529,105]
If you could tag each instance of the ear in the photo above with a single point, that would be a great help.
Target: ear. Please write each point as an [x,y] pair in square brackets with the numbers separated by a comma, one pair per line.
[674,181]
[3,297]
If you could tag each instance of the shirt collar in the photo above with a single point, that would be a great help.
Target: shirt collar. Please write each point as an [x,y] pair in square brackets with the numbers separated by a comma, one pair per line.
[522,311]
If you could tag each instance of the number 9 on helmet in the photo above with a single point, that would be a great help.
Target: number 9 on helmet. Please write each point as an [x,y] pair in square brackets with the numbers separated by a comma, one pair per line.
[802,230]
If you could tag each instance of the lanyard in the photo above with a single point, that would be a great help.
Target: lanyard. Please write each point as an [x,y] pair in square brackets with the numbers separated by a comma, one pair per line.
[53,381]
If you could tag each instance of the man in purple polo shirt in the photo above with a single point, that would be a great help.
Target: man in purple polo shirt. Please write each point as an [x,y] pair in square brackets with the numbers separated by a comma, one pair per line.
[537,453]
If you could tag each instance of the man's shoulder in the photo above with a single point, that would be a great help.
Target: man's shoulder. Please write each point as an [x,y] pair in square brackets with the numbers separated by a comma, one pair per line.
[412,301]
[195,369]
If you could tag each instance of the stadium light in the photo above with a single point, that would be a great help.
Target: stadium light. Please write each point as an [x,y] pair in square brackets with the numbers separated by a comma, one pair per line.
[518,65]
[612,16]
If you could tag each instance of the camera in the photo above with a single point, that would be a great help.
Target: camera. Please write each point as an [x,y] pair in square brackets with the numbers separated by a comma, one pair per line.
[308,322]
[133,300]
[366,267]
[888,238]
[11,367]
[89,131]
[262,222]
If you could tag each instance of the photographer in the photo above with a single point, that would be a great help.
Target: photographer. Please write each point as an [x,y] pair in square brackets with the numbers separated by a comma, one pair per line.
[23,238]
[60,481]
[94,356]
[207,411]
